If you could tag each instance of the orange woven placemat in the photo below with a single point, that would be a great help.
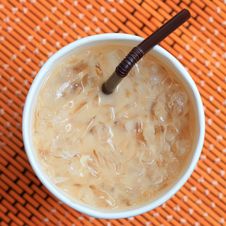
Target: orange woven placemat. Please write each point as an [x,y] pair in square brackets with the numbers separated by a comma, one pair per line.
[32,30]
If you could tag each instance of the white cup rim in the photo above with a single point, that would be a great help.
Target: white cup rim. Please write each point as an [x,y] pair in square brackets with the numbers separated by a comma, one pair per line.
[26,127]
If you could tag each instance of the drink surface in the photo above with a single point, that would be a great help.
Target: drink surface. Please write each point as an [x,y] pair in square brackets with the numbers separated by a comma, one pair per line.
[112,151]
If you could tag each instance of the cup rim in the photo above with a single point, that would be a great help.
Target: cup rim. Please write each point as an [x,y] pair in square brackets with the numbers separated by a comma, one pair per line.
[26,129]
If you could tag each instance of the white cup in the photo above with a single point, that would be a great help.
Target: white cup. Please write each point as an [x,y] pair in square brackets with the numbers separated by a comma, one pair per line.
[162,55]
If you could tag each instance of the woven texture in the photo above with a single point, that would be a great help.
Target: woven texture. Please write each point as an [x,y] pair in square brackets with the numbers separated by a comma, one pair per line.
[32,30]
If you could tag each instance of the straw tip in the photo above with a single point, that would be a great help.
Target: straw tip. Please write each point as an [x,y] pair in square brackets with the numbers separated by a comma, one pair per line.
[105,90]
[187,12]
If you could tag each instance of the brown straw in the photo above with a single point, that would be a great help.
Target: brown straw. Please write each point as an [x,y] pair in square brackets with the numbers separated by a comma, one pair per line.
[139,51]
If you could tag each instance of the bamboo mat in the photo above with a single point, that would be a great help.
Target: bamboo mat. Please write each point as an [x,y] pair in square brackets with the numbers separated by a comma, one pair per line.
[32,30]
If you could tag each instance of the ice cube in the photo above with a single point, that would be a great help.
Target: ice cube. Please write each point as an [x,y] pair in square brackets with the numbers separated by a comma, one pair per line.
[145,156]
[102,132]
[156,173]
[84,159]
[86,195]
[98,69]
[137,70]
[177,102]
[129,125]
[159,110]
[61,90]
[171,133]
[80,67]
[103,196]
[183,146]
[66,71]
[157,74]
[68,127]
[156,79]
[58,180]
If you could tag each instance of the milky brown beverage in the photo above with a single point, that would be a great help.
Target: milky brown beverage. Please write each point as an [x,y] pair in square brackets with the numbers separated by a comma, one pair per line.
[113,151]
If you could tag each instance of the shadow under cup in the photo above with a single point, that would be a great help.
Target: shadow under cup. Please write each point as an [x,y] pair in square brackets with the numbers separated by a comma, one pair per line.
[182,76]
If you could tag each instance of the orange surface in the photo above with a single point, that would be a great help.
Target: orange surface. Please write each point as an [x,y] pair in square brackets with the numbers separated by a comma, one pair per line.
[32,30]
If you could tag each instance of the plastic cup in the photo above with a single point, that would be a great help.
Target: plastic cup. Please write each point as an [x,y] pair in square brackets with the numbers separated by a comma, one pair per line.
[161,54]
